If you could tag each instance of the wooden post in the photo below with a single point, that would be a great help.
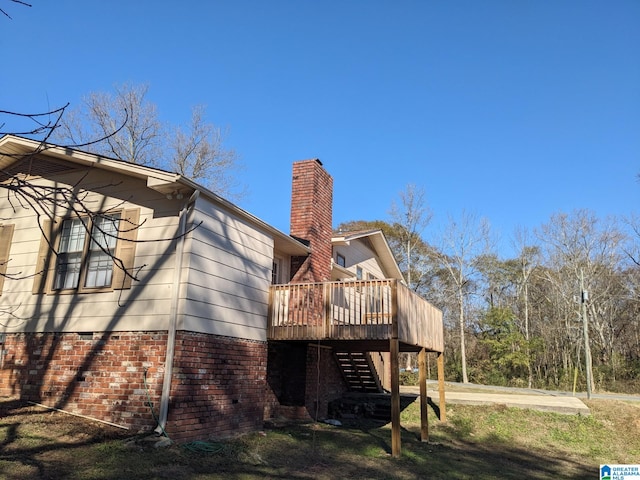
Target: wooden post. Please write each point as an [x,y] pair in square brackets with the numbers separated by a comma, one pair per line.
[422,376]
[394,351]
[395,398]
[327,309]
[271,313]
[443,410]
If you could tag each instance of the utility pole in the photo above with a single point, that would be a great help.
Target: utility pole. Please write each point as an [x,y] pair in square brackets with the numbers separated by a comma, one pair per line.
[584,297]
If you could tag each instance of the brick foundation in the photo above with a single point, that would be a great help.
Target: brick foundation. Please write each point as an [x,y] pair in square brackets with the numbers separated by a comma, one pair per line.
[294,378]
[217,389]
[98,375]
[324,381]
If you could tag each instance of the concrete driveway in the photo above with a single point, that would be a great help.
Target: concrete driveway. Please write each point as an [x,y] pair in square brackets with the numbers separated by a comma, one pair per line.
[568,405]
[539,400]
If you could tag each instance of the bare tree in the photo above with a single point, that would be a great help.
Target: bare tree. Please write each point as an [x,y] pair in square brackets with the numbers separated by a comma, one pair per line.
[100,114]
[528,259]
[411,217]
[632,246]
[199,154]
[196,151]
[4,12]
[31,124]
[21,192]
[462,243]
[579,245]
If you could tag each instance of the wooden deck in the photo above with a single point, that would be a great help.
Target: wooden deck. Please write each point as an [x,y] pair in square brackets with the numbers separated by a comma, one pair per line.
[371,311]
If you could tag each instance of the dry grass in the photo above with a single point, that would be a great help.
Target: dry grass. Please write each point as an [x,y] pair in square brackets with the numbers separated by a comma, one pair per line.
[477,442]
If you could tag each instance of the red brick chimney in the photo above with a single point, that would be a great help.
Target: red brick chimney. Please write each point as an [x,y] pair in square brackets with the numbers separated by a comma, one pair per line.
[311,220]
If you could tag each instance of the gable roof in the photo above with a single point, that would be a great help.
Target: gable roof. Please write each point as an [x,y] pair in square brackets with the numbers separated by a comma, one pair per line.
[14,149]
[379,245]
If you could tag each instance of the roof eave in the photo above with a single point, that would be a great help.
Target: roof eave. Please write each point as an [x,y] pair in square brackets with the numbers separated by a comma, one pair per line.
[166,183]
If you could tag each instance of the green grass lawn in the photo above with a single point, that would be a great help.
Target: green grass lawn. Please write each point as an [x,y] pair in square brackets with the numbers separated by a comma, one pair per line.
[476,442]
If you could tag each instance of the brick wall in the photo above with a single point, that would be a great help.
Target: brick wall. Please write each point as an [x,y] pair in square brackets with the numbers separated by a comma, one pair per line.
[98,375]
[217,388]
[286,382]
[302,380]
[311,219]
[324,381]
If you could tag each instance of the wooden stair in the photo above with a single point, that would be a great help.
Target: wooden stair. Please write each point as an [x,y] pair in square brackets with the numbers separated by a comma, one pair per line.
[358,371]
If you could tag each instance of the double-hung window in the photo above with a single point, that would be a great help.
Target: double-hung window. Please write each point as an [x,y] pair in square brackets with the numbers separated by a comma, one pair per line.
[86,258]
[104,236]
[87,255]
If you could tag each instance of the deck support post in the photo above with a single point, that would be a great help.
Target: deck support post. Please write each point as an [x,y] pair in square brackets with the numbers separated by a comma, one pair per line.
[327,309]
[443,410]
[395,398]
[422,379]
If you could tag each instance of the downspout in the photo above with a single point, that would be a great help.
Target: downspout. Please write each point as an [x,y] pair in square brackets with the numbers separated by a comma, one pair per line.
[173,317]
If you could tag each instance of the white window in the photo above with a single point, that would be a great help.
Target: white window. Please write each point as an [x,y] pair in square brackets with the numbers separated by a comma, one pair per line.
[279,271]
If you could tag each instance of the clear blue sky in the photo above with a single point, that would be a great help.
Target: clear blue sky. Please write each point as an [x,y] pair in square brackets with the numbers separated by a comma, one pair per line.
[514,110]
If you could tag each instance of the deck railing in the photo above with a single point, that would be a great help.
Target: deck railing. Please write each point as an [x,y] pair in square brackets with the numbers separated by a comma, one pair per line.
[354,310]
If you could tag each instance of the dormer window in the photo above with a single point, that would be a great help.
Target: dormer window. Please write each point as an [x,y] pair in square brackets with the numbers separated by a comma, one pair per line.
[340,260]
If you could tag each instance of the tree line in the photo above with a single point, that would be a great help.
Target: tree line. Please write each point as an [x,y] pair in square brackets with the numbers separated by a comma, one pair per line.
[510,321]
[561,311]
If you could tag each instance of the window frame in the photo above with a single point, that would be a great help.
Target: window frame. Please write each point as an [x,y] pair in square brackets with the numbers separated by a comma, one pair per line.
[123,254]
[280,270]
[90,252]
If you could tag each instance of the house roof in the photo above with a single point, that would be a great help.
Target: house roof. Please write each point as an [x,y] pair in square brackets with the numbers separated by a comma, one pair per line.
[379,244]
[14,149]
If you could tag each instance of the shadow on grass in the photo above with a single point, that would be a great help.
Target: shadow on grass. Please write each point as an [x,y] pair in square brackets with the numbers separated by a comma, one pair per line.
[435,407]
[38,444]
[364,452]
[32,438]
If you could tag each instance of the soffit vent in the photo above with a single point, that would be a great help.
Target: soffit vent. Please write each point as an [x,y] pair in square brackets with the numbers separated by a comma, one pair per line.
[35,166]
